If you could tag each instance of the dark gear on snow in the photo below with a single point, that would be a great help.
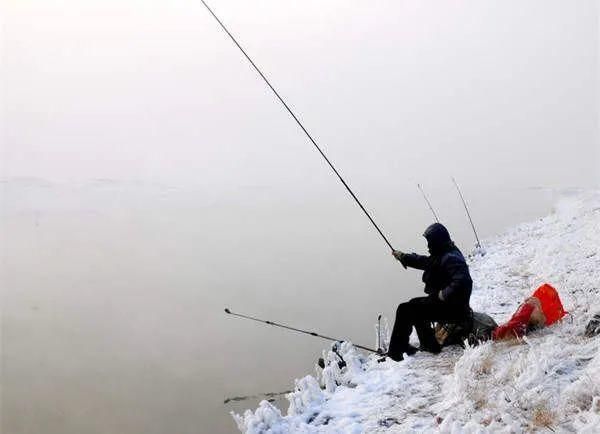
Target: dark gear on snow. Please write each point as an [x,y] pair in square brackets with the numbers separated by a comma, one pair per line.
[593,327]
[478,328]
[448,285]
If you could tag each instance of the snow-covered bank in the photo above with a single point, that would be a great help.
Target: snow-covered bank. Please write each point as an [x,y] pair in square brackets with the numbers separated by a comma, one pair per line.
[549,380]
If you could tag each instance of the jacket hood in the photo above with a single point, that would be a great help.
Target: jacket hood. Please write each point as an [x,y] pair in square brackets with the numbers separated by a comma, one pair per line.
[438,238]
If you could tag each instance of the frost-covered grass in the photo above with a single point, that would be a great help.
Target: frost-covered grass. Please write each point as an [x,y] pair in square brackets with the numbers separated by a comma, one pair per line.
[549,381]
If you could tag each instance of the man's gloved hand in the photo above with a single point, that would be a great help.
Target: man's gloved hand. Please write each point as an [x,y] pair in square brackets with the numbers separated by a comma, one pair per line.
[441,296]
[398,255]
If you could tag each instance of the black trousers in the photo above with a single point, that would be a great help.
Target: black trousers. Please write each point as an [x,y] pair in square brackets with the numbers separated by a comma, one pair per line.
[419,313]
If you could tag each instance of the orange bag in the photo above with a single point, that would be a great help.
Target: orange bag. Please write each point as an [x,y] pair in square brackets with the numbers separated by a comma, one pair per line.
[551,304]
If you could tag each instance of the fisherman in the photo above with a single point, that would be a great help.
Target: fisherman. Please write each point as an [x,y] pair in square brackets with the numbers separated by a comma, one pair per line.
[448,287]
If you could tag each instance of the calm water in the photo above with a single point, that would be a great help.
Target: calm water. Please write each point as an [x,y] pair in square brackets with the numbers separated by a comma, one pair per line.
[113,295]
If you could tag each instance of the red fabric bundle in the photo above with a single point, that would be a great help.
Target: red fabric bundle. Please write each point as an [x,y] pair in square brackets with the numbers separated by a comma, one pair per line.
[542,309]
[517,325]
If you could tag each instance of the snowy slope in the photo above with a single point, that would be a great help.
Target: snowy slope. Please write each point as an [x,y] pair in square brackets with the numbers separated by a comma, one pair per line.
[548,381]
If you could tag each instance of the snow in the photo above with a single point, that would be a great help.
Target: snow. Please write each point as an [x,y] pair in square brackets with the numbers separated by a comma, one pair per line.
[550,380]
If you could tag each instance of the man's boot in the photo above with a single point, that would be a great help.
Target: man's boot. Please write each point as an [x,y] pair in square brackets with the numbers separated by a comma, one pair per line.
[427,339]
[411,350]
[431,347]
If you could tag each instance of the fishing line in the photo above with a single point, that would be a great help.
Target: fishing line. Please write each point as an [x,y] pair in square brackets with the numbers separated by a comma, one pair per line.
[299,123]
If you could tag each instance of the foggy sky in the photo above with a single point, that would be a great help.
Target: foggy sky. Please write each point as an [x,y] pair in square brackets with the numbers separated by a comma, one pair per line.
[150,90]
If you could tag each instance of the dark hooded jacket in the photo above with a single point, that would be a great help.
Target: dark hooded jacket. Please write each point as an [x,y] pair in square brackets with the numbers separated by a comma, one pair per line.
[444,270]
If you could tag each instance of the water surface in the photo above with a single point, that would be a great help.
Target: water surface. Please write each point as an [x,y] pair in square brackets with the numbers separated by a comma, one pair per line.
[113,297]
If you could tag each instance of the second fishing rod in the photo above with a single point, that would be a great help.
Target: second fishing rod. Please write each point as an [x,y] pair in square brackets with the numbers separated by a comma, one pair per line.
[306,332]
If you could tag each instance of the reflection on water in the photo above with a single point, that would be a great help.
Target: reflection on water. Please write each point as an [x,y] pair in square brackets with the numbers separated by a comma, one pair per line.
[113,296]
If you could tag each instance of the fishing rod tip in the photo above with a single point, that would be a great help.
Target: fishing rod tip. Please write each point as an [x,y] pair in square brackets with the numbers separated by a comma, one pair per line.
[227,310]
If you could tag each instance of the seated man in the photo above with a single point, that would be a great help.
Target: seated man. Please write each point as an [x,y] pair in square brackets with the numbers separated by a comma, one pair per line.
[448,285]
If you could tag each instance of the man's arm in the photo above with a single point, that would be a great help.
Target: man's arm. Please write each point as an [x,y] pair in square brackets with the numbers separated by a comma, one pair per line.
[460,279]
[412,260]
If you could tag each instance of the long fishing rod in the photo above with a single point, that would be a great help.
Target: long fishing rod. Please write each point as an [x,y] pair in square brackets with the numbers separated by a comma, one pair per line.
[428,203]
[467,210]
[299,124]
[229,312]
